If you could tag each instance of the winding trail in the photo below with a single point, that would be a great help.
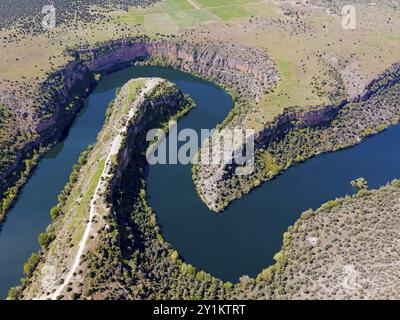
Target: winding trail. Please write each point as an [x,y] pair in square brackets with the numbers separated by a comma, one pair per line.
[194,4]
[101,185]
[224,230]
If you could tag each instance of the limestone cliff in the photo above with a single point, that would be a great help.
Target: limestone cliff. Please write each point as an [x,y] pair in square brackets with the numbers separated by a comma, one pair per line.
[298,134]
[141,104]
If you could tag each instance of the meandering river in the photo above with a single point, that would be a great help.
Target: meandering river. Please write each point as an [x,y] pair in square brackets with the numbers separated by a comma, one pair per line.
[241,240]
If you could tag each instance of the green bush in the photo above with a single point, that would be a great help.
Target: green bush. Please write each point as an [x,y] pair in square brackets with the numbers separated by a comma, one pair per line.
[55,212]
[44,240]
[31,264]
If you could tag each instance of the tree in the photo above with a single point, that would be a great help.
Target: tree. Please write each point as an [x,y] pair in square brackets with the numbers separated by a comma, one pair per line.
[174,256]
[30,266]
[14,293]
[44,239]
[55,212]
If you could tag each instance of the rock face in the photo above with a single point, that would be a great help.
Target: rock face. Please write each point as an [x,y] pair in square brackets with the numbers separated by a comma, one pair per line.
[53,101]
[246,68]
[227,64]
[140,104]
[327,128]
[71,75]
[163,106]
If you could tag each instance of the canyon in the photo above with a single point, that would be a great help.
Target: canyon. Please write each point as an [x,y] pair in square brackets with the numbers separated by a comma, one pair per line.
[240,69]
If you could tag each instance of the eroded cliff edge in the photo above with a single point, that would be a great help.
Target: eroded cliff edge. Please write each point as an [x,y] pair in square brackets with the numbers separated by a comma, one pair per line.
[299,134]
[89,215]
[247,71]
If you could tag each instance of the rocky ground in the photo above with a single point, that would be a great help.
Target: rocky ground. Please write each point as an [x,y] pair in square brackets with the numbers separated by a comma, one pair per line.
[287,69]
[297,136]
[347,249]
[62,268]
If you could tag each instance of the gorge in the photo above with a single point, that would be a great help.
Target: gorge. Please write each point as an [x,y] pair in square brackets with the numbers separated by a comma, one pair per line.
[185,231]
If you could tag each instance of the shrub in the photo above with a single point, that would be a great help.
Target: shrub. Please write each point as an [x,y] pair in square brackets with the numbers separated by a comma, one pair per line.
[55,212]
[359,183]
[44,240]
[31,264]
[14,293]
[174,255]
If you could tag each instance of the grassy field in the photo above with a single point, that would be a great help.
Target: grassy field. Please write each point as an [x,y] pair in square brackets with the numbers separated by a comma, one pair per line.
[305,57]
[305,48]
[171,15]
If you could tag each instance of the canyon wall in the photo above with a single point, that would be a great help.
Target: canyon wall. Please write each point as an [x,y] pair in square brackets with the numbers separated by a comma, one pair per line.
[298,134]
[242,69]
[126,126]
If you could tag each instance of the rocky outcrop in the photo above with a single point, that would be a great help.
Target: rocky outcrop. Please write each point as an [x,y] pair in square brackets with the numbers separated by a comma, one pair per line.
[227,63]
[163,106]
[139,105]
[245,68]
[328,128]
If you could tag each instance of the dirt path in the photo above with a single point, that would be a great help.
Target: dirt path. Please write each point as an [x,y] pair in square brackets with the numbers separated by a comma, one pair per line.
[114,149]
[194,4]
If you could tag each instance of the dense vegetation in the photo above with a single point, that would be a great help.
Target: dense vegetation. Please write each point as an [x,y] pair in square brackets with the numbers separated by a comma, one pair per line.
[11,193]
[20,156]
[297,140]
[27,14]
[347,249]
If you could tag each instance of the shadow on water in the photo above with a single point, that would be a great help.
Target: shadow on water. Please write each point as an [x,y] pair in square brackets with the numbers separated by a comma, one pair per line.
[244,238]
[30,214]
[54,152]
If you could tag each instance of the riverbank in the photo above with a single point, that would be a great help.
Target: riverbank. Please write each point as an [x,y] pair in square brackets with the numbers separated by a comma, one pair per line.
[298,135]
[67,107]
[64,91]
[89,187]
[134,248]
[346,249]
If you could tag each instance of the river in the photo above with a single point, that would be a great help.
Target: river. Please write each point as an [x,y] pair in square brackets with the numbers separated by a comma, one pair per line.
[241,240]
